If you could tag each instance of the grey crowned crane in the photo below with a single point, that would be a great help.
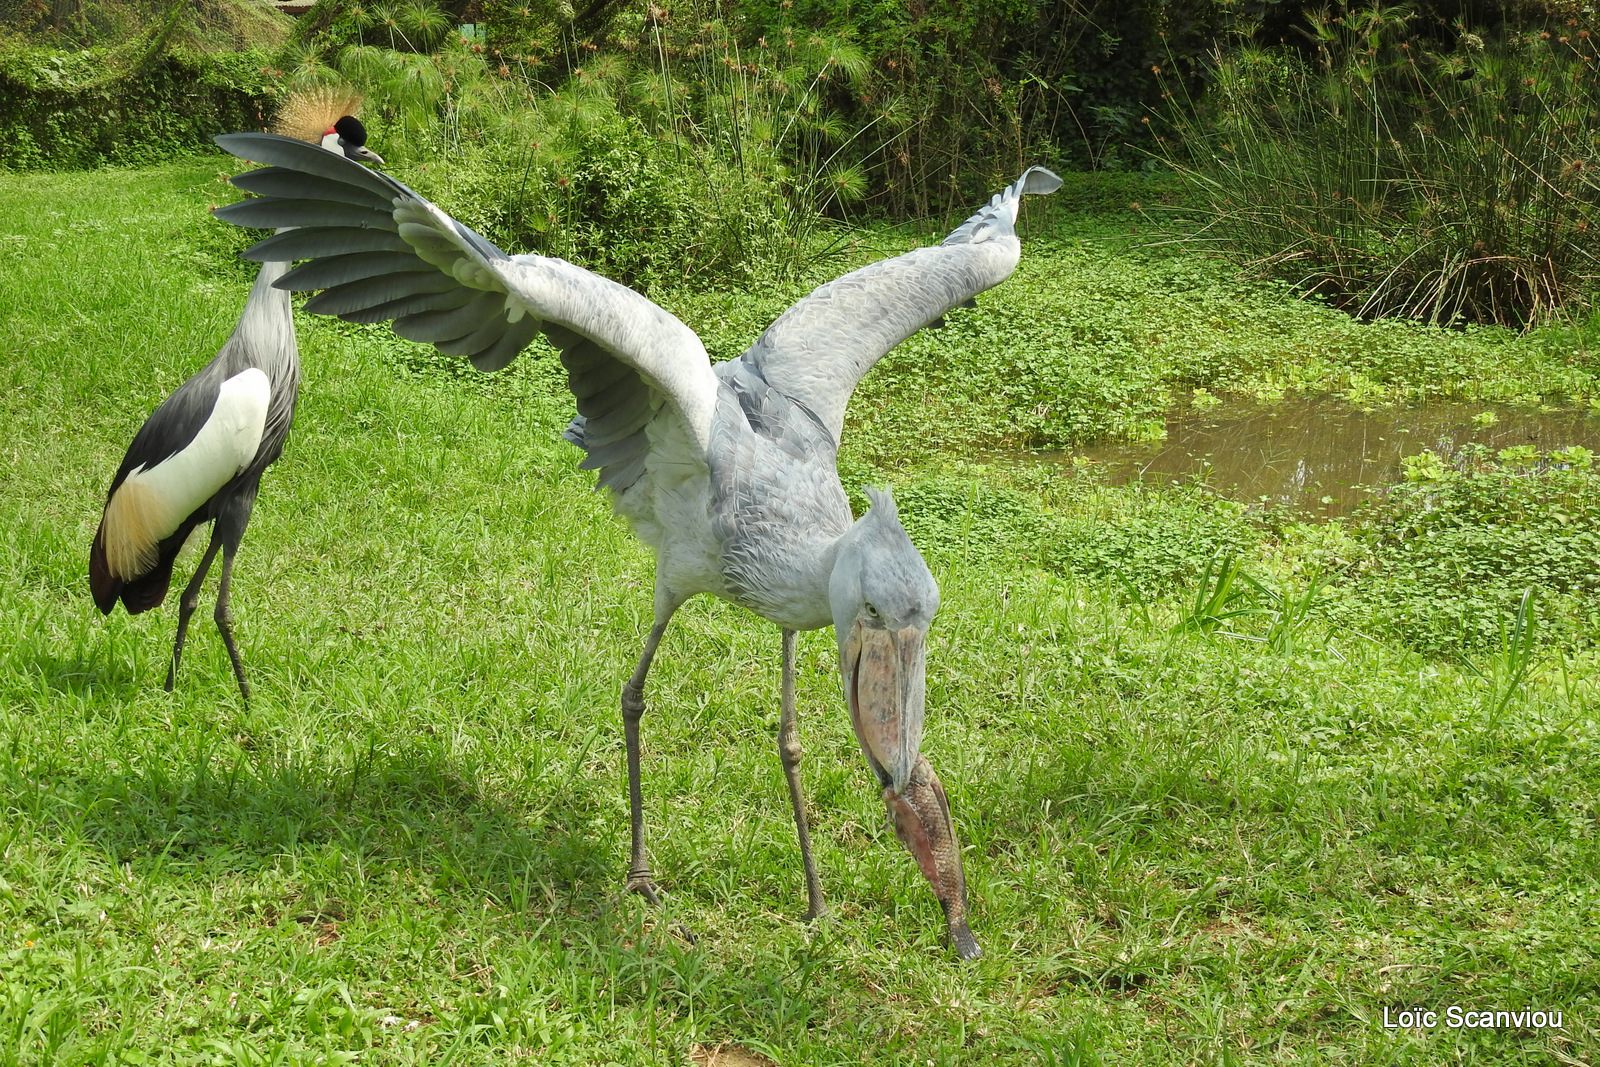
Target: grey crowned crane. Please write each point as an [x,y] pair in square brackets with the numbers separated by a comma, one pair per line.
[199,457]
[727,472]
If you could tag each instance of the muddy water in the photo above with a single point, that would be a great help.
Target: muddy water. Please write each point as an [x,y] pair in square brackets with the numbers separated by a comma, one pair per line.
[1314,455]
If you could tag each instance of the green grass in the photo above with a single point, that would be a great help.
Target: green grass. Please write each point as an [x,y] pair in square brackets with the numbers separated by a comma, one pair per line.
[408,849]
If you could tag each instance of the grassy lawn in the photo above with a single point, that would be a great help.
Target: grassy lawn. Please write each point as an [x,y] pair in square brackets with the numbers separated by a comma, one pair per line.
[408,849]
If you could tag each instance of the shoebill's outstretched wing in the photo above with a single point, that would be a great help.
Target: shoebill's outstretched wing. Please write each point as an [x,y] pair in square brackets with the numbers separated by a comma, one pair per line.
[818,350]
[379,251]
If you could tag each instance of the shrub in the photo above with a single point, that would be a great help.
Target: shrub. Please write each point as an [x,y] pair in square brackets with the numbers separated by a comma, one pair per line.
[607,195]
[99,82]
[58,111]
[1394,176]
[694,159]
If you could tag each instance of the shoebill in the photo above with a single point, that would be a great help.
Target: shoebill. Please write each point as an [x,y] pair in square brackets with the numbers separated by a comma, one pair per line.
[727,472]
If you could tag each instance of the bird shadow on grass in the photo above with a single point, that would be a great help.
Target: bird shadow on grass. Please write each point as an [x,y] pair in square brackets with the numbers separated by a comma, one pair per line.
[407,813]
[92,678]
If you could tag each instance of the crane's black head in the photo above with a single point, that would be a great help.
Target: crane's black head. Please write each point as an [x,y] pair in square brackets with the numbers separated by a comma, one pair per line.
[352,140]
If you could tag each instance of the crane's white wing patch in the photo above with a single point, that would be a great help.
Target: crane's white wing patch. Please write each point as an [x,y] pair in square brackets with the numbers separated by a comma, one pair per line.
[150,504]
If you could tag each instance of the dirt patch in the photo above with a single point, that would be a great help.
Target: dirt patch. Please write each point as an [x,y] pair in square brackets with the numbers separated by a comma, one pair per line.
[726,1055]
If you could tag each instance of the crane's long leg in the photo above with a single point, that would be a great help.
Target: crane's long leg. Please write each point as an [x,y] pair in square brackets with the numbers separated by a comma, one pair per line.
[789,752]
[190,601]
[639,878]
[224,615]
[232,518]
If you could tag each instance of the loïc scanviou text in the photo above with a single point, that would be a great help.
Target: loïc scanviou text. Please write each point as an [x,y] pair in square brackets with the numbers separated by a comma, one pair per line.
[1455,1017]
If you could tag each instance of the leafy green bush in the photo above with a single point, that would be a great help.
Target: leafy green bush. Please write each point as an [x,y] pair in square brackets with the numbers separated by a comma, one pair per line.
[696,158]
[1455,547]
[1392,174]
[608,195]
[59,110]
[132,26]
[98,82]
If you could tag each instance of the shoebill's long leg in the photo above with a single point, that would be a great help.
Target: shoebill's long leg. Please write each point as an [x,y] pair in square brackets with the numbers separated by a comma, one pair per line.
[190,601]
[639,878]
[789,752]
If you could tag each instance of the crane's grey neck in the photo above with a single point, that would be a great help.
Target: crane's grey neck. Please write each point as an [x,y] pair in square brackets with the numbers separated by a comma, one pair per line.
[265,299]
[267,324]
[270,272]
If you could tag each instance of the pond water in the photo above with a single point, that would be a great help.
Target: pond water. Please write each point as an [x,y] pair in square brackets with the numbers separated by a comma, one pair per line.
[1314,455]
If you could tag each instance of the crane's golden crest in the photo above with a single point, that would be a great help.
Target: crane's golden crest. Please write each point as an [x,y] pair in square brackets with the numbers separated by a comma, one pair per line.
[307,114]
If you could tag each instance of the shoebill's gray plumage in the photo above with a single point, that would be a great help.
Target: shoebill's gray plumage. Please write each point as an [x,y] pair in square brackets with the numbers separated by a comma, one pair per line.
[200,455]
[728,472]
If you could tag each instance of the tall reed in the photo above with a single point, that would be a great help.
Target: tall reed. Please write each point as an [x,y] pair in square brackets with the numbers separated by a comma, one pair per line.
[1394,176]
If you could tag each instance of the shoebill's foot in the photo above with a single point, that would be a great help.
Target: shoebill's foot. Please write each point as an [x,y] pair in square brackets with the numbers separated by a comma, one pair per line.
[642,883]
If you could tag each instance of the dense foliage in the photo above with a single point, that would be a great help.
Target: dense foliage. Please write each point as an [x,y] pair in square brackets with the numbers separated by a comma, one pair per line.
[57,110]
[85,84]
[205,26]
[717,140]
[1395,172]
[927,105]
[1428,160]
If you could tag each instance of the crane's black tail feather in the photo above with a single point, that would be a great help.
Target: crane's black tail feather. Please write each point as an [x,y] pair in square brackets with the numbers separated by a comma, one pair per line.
[150,589]
[105,585]
[138,594]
